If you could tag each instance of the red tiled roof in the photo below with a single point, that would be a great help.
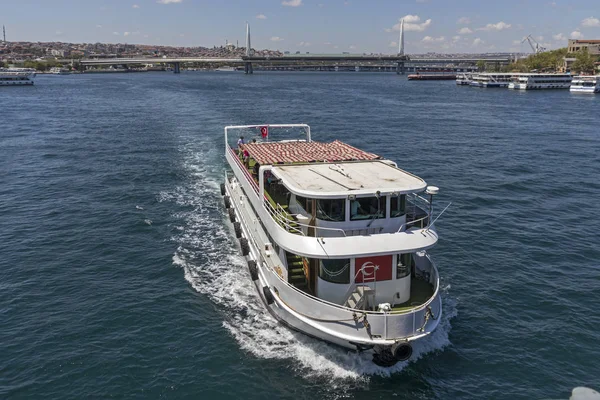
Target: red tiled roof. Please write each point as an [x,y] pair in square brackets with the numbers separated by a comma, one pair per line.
[299,152]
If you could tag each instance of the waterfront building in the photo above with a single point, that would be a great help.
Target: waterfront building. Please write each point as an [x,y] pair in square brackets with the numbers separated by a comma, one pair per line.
[575,45]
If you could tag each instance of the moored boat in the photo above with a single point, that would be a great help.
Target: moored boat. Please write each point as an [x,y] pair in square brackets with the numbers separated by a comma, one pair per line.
[432,77]
[585,84]
[528,81]
[463,79]
[335,239]
[491,80]
[17,76]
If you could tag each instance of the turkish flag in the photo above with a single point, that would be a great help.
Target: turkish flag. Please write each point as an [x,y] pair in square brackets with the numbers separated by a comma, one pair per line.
[264,131]
[370,269]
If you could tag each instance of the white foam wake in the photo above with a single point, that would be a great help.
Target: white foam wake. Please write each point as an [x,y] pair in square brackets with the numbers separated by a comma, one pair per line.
[209,257]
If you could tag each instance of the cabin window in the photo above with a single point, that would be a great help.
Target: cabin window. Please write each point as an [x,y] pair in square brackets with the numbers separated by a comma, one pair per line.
[367,208]
[335,271]
[398,206]
[302,201]
[331,209]
[404,265]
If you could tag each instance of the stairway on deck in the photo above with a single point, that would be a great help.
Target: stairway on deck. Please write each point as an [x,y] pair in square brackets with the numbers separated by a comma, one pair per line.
[359,298]
[296,271]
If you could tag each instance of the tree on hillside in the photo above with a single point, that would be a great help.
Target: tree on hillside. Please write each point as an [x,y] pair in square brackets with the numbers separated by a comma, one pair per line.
[584,62]
[481,65]
[2,65]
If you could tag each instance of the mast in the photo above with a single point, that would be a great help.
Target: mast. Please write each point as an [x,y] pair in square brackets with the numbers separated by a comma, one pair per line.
[248,45]
[401,39]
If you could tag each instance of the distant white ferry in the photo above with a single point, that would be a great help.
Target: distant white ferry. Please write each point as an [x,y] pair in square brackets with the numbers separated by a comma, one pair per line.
[491,79]
[16,76]
[463,79]
[540,81]
[59,71]
[586,84]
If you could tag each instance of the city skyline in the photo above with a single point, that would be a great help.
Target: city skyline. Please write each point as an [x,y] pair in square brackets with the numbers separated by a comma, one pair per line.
[301,25]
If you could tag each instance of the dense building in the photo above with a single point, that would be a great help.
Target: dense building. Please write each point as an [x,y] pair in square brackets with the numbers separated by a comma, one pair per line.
[576,45]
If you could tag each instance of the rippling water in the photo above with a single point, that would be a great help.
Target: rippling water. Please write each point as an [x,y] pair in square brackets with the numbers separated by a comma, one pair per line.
[119,277]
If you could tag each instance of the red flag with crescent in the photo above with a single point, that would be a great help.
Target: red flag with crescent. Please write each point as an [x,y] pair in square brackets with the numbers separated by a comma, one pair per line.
[370,269]
[264,131]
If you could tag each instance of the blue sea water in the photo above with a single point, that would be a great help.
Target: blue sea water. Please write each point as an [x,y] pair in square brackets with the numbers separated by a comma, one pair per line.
[119,277]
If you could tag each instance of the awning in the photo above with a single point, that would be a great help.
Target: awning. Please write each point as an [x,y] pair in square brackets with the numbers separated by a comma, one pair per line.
[304,152]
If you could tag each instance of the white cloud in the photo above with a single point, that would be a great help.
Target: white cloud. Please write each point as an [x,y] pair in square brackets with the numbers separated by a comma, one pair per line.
[135,6]
[352,47]
[261,16]
[576,35]
[464,20]
[429,39]
[559,37]
[126,33]
[116,33]
[168,1]
[320,5]
[393,44]
[455,38]
[327,43]
[591,22]
[276,39]
[58,33]
[292,3]
[304,44]
[98,26]
[412,23]
[465,31]
[500,26]
[517,42]
[477,42]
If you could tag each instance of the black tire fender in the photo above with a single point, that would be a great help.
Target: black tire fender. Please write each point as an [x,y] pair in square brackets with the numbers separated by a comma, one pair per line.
[253,270]
[231,215]
[222,189]
[245,246]
[227,201]
[268,295]
[237,227]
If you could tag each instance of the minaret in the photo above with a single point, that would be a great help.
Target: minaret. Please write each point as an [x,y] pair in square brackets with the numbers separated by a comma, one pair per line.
[4,33]
[401,39]
[248,45]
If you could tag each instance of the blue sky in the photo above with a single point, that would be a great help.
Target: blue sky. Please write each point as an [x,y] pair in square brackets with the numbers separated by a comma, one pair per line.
[319,26]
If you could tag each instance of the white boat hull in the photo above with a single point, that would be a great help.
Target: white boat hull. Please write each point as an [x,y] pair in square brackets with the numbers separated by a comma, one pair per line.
[582,89]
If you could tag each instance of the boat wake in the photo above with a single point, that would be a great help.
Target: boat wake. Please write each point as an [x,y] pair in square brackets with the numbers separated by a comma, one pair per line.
[209,256]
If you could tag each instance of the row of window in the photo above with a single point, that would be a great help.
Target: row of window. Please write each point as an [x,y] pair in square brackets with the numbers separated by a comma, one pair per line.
[338,271]
[364,208]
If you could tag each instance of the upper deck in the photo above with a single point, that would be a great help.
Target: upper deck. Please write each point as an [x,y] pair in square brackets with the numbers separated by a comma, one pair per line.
[331,180]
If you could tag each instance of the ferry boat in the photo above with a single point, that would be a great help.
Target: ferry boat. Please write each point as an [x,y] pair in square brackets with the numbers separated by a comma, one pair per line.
[335,239]
[540,81]
[59,71]
[491,79]
[463,79]
[432,76]
[586,84]
[17,76]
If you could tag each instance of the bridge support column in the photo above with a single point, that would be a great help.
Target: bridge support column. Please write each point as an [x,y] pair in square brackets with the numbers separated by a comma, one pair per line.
[177,68]
[248,68]
[400,68]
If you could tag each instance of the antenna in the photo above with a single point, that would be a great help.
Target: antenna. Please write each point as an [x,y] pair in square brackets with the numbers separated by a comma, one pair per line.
[401,39]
